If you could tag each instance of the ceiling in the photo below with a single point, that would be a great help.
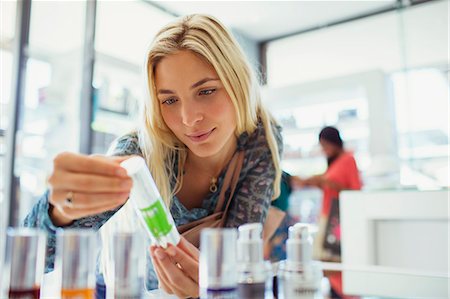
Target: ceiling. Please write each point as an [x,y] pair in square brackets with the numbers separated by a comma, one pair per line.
[265,20]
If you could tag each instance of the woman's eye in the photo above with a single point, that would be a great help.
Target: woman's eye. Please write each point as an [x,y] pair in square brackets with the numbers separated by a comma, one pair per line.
[169,101]
[207,91]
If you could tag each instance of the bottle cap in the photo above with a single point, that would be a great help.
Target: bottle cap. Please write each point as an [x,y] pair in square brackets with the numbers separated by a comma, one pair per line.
[249,244]
[299,244]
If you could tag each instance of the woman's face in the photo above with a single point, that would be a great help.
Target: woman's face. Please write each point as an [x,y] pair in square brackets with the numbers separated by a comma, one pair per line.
[329,149]
[194,103]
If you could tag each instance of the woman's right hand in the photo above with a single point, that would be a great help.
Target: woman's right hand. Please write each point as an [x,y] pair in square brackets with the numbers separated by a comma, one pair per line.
[94,184]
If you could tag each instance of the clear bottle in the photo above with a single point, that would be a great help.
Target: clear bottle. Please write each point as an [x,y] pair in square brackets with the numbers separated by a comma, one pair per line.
[254,274]
[128,266]
[218,263]
[299,277]
[149,205]
[25,262]
[75,262]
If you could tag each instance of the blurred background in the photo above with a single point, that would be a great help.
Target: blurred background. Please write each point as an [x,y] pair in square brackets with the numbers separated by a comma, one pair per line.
[71,80]
[377,70]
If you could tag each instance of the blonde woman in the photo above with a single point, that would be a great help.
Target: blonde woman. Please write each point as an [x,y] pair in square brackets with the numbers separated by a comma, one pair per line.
[203,111]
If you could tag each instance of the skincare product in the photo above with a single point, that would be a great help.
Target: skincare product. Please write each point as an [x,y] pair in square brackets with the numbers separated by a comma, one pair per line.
[254,274]
[218,279]
[25,261]
[299,277]
[149,205]
[128,265]
[75,262]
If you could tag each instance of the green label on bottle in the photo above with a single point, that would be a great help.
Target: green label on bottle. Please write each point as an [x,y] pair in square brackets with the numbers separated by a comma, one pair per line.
[156,219]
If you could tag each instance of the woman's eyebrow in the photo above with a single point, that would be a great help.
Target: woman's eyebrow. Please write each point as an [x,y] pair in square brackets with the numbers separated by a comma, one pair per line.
[197,84]
[203,81]
[165,91]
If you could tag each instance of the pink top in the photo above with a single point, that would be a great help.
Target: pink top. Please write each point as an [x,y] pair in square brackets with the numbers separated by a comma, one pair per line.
[344,172]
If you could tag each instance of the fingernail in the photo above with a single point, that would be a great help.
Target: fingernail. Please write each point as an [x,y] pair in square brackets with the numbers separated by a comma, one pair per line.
[160,254]
[121,172]
[171,251]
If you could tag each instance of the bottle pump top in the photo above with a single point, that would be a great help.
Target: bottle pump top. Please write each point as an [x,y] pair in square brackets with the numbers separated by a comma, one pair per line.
[299,244]
[249,244]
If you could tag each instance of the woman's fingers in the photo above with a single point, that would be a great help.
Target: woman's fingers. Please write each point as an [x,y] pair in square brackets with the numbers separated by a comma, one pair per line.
[85,182]
[176,279]
[190,249]
[164,283]
[181,284]
[188,264]
[89,164]
[95,184]
[76,213]
[88,200]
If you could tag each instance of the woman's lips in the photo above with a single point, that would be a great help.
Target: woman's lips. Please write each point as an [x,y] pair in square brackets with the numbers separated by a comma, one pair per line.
[200,136]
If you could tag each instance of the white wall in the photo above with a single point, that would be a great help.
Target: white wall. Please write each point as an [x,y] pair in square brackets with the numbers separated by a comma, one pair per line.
[416,37]
[395,243]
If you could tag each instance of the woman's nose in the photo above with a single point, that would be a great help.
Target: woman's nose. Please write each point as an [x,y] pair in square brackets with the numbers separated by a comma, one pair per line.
[190,114]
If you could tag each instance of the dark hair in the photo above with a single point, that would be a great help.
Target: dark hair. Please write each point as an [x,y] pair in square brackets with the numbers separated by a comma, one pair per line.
[331,135]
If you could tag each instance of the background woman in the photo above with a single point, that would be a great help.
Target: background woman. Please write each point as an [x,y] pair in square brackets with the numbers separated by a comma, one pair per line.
[341,174]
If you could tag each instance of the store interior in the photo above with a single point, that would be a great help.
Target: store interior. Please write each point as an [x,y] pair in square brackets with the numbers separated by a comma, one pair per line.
[376,70]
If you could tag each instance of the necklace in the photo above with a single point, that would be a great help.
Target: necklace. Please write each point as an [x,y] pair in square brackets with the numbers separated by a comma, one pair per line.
[213,185]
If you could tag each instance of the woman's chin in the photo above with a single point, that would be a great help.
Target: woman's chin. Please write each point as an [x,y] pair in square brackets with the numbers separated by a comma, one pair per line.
[204,150]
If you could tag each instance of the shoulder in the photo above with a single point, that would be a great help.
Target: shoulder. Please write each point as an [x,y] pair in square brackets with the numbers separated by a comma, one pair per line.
[347,158]
[256,143]
[125,145]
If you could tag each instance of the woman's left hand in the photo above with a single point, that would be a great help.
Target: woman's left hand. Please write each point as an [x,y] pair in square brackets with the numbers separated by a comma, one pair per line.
[177,268]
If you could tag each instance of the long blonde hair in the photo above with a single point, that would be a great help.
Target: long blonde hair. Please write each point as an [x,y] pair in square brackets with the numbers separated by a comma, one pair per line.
[208,38]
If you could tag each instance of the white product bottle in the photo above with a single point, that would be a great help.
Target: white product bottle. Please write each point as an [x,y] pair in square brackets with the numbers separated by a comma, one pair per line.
[299,277]
[254,274]
[149,205]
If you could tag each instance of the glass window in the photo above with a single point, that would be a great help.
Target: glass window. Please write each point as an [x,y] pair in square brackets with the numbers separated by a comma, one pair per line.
[118,78]
[7,34]
[406,141]
[423,140]
[302,124]
[50,121]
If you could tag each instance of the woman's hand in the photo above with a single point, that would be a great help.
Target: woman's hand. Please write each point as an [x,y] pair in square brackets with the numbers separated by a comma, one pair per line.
[83,185]
[177,268]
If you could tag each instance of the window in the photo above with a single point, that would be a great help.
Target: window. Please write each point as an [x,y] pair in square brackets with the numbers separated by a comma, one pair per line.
[422,126]
[118,71]
[408,48]
[49,122]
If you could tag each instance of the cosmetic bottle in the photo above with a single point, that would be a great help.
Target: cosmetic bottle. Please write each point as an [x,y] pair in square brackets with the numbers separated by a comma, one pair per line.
[254,274]
[128,266]
[149,205]
[25,262]
[299,277]
[218,279]
[75,262]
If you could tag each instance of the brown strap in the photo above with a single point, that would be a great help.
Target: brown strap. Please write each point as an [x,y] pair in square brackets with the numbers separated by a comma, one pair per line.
[234,180]
[231,179]
[226,183]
